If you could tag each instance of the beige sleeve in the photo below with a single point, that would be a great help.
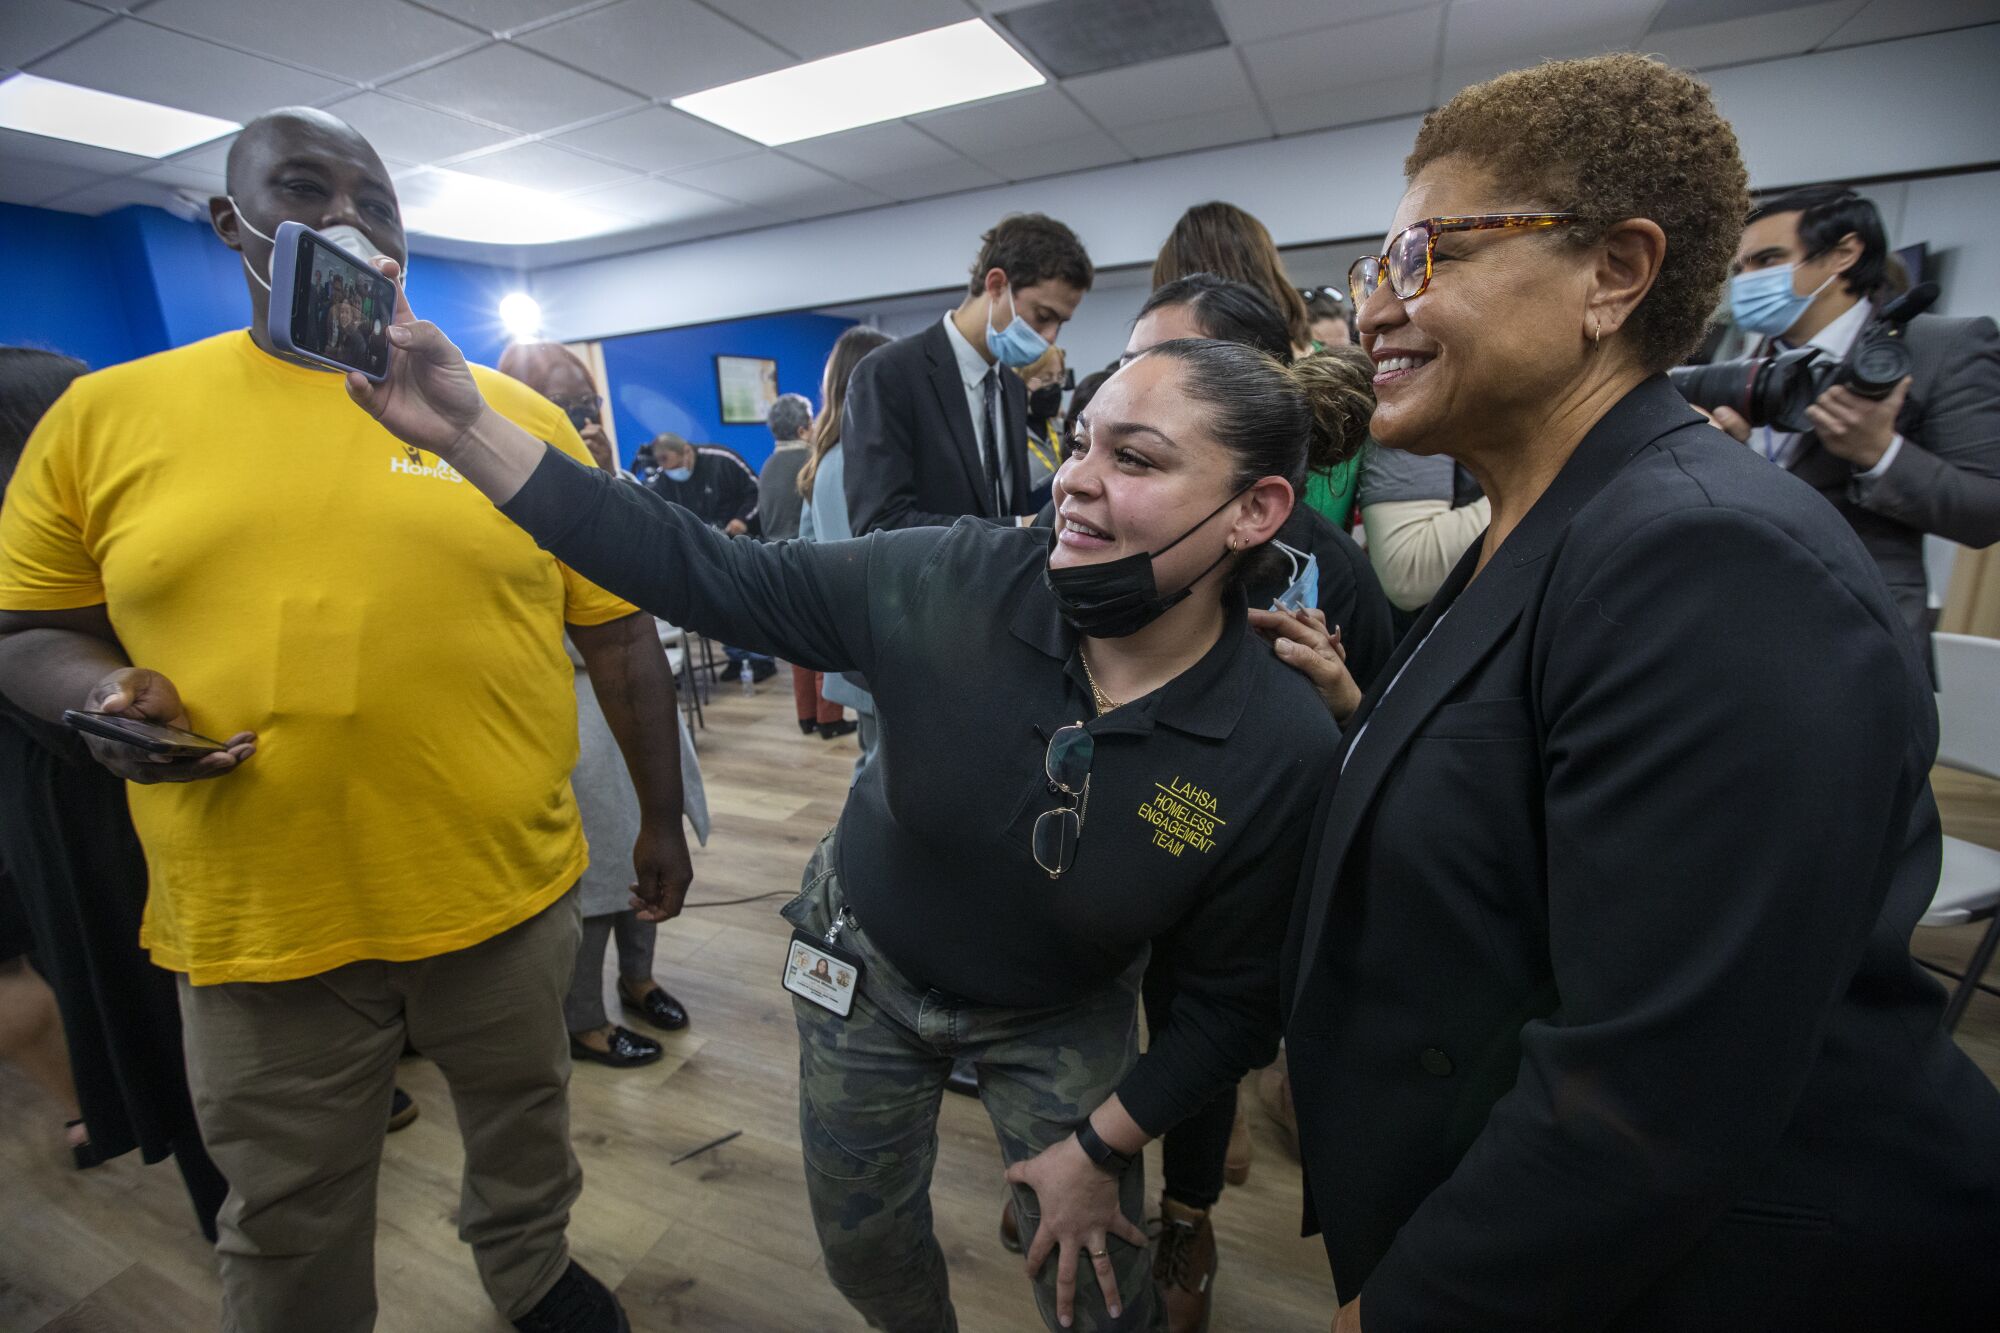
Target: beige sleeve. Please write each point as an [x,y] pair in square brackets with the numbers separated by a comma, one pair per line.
[1413,544]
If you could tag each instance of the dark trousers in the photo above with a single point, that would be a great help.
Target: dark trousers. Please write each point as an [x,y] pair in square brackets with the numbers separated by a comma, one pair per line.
[1192,1153]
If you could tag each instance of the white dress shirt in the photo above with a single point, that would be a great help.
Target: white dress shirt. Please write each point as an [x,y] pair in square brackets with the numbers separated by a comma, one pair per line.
[973,369]
[1834,342]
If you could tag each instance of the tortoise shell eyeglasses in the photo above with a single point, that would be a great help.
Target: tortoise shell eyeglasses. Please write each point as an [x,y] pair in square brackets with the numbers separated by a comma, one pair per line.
[1407,261]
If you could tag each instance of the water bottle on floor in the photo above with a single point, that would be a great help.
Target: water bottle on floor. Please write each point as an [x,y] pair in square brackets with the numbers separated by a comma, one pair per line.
[748,678]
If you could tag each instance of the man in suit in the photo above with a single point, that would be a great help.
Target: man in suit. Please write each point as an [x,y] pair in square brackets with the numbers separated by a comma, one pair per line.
[1924,459]
[936,423]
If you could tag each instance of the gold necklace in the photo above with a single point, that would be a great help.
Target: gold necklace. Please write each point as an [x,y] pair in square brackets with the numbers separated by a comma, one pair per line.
[1103,702]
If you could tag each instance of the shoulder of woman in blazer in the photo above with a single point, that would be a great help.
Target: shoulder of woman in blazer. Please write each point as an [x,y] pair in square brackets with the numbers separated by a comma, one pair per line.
[1603,936]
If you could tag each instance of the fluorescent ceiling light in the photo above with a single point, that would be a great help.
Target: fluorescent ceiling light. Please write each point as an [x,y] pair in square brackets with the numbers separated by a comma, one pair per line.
[103,120]
[942,67]
[464,207]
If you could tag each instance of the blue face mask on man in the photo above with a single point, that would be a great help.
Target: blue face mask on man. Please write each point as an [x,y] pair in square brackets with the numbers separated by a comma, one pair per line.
[1017,345]
[678,473]
[1764,301]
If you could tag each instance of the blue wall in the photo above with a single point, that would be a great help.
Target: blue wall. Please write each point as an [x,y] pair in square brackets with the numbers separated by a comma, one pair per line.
[665,380]
[140,280]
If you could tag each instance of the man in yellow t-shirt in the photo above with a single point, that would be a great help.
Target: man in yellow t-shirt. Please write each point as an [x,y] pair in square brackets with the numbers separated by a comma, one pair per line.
[215,538]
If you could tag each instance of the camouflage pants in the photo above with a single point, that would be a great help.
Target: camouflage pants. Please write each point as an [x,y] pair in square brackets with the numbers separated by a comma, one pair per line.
[869,1088]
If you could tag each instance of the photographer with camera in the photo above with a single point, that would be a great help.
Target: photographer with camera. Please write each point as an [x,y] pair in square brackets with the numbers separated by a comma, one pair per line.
[1896,419]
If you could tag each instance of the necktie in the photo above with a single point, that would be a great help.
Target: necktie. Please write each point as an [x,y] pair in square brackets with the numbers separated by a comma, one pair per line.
[989,443]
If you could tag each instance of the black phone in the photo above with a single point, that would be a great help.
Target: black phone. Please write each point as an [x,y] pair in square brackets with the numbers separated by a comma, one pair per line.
[152,737]
[339,308]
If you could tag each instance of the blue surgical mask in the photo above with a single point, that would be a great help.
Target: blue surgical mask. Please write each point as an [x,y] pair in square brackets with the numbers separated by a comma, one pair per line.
[678,473]
[1016,345]
[1765,302]
[1304,591]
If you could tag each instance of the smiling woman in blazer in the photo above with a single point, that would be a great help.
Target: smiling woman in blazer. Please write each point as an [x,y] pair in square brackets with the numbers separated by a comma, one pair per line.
[1600,1006]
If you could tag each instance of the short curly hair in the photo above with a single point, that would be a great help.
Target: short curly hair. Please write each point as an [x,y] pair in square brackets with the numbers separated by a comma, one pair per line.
[1610,138]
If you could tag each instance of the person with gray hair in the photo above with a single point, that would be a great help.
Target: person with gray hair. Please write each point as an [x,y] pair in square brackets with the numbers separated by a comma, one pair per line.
[779,503]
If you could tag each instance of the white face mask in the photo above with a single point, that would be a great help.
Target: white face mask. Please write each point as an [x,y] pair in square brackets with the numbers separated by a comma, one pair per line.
[351,239]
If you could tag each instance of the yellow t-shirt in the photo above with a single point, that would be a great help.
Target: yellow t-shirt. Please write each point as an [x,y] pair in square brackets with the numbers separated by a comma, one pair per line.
[395,643]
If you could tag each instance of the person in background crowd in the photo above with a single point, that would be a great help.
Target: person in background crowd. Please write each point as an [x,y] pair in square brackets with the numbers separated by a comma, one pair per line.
[1044,380]
[964,921]
[1599,997]
[612,816]
[385,849]
[1330,316]
[822,483]
[719,486]
[935,423]
[74,894]
[780,505]
[1421,513]
[1224,240]
[1811,269]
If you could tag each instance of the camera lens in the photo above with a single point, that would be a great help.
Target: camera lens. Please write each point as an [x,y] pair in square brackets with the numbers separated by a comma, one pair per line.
[1877,367]
[1766,392]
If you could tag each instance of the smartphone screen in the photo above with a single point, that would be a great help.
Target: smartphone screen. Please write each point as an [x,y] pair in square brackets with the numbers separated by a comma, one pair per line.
[341,307]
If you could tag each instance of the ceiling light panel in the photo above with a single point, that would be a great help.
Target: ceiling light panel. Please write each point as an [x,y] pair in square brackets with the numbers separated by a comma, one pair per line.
[103,120]
[943,67]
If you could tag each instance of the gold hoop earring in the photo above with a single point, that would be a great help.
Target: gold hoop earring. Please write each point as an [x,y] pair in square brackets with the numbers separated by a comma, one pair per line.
[1596,333]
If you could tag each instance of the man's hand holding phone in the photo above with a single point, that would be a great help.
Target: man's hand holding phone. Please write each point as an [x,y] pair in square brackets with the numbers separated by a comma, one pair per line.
[148,696]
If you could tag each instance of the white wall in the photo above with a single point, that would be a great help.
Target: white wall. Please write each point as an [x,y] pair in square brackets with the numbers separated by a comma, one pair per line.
[1839,114]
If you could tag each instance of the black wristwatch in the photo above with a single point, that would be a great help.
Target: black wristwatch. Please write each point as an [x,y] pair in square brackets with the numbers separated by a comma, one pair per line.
[1102,1155]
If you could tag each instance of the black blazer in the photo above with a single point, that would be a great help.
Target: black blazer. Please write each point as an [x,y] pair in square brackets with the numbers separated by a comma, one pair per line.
[912,448]
[1601,1010]
[1946,477]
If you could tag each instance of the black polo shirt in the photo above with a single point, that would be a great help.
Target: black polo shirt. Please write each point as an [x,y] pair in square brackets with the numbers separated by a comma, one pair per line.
[1201,793]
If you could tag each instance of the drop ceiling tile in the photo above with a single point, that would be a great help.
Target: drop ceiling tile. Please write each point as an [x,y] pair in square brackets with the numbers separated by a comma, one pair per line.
[889,149]
[1752,37]
[403,132]
[210,157]
[509,86]
[1885,20]
[1053,157]
[1323,63]
[1185,134]
[1514,33]
[658,139]
[542,166]
[33,28]
[496,16]
[1177,86]
[23,181]
[813,30]
[762,179]
[662,48]
[180,176]
[1256,20]
[943,178]
[1350,103]
[647,200]
[1007,122]
[837,197]
[361,40]
[138,60]
[18,146]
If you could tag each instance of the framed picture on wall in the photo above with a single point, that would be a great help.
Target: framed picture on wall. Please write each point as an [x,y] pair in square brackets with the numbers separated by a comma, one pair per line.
[747,387]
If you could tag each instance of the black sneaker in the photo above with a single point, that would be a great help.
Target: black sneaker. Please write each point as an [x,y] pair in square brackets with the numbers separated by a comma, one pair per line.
[577,1303]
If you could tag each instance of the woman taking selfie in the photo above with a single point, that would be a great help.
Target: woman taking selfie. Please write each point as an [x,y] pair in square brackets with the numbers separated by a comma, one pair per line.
[1128,772]
[1601,1007]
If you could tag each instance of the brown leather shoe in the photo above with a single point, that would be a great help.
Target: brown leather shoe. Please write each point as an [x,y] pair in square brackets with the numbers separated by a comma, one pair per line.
[1274,1091]
[1010,1227]
[1236,1161]
[1184,1262]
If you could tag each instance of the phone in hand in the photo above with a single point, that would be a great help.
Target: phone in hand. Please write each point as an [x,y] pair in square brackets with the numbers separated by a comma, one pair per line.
[152,737]
[328,307]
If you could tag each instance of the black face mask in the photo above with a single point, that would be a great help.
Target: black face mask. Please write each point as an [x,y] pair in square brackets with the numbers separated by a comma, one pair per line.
[1118,597]
[1045,402]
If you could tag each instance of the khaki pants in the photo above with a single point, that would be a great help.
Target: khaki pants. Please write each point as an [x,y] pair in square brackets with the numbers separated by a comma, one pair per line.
[291,1084]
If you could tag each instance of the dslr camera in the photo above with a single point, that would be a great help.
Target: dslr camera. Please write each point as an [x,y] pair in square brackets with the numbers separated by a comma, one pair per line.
[1776,390]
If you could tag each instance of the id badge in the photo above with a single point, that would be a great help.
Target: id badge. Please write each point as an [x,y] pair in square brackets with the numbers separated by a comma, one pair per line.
[822,972]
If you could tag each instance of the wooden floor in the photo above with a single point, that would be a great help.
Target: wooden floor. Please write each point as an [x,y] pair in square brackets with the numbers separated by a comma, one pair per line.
[721,1242]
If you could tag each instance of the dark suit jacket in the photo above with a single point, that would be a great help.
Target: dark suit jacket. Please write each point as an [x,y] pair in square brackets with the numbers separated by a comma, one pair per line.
[1945,479]
[912,448]
[1601,1008]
